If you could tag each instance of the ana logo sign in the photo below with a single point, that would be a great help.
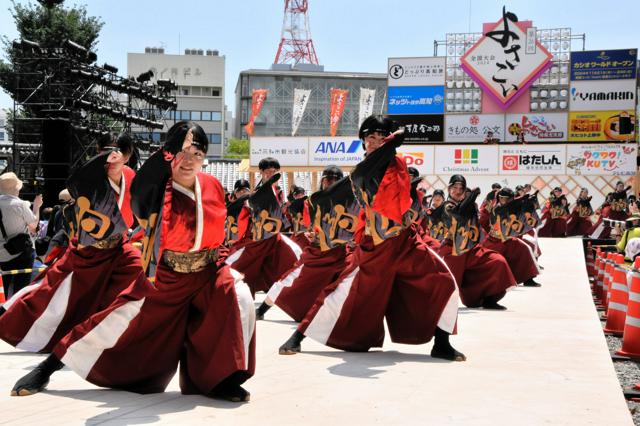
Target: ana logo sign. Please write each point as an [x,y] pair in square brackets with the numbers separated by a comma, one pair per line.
[396,71]
[510,162]
[466,156]
[341,147]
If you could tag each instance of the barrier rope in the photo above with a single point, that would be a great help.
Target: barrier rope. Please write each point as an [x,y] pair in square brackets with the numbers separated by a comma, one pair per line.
[23,271]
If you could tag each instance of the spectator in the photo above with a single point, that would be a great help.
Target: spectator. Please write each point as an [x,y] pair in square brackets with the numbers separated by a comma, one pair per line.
[18,222]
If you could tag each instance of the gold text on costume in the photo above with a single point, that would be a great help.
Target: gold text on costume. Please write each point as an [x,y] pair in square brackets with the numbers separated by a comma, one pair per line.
[94,223]
[150,227]
[339,220]
[266,224]
[618,205]
[584,211]
[463,236]
[531,219]
[232,228]
[380,228]
[511,225]
[556,212]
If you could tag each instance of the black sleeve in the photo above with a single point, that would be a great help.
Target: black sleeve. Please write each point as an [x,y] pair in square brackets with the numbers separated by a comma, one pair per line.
[148,186]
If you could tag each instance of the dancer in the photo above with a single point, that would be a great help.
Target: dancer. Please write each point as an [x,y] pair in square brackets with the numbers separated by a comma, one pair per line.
[580,221]
[334,221]
[394,275]
[198,312]
[554,215]
[99,263]
[483,275]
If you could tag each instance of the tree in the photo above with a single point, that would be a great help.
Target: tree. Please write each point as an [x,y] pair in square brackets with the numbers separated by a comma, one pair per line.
[237,148]
[49,26]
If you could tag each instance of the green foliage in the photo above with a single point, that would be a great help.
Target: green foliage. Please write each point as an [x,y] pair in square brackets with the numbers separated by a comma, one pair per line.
[49,27]
[237,148]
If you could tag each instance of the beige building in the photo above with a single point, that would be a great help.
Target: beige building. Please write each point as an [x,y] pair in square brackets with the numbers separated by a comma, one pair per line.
[199,76]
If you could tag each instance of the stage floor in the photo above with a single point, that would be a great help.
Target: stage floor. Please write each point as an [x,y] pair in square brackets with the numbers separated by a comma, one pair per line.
[543,361]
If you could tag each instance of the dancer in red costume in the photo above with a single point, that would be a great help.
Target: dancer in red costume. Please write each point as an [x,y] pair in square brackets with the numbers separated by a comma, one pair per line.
[98,264]
[483,275]
[555,215]
[580,221]
[198,312]
[394,275]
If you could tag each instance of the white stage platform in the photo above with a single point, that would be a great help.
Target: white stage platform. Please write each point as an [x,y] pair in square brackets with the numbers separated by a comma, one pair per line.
[544,361]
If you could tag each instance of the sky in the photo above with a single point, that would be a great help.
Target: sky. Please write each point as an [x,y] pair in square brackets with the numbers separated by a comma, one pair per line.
[349,35]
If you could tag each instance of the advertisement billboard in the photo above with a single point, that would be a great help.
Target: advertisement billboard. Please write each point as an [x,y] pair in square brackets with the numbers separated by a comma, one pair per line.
[290,151]
[473,128]
[418,156]
[416,100]
[472,160]
[422,128]
[601,159]
[600,126]
[605,95]
[340,150]
[604,65]
[544,127]
[427,71]
[534,160]
[506,60]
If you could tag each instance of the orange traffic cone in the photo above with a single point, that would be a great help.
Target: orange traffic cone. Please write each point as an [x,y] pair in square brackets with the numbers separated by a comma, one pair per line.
[2,298]
[597,282]
[590,266]
[631,335]
[605,282]
[618,298]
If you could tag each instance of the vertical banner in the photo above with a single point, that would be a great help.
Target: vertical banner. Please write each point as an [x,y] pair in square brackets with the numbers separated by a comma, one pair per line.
[367,96]
[300,99]
[258,98]
[338,99]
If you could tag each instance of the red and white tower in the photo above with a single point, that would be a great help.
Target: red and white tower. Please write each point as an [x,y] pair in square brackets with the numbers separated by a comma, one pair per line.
[296,45]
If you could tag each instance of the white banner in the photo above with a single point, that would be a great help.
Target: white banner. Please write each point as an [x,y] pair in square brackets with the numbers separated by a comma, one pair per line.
[339,150]
[300,99]
[367,98]
[419,156]
[471,160]
[427,71]
[544,127]
[473,128]
[602,95]
[288,150]
[533,160]
[601,159]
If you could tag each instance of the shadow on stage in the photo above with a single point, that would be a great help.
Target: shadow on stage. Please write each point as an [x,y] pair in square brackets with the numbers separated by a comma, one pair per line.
[369,365]
[133,409]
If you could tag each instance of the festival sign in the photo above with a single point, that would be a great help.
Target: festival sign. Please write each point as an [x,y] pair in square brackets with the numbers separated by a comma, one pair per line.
[604,65]
[300,99]
[535,160]
[547,127]
[599,126]
[506,60]
[422,128]
[341,151]
[601,159]
[337,103]
[605,95]
[416,100]
[469,159]
[367,98]
[427,71]
[474,128]
[419,156]
[258,97]
[290,151]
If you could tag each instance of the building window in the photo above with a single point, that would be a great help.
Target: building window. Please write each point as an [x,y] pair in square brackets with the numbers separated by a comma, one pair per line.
[185,115]
[215,92]
[155,137]
[216,116]
[215,138]
[1,136]
[195,115]
[184,91]
[206,116]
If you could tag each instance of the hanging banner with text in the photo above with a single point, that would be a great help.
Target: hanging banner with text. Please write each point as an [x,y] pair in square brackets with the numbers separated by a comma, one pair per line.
[367,98]
[300,99]
[338,101]
[258,97]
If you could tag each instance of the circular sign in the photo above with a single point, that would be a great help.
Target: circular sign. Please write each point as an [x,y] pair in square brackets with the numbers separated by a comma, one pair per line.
[396,71]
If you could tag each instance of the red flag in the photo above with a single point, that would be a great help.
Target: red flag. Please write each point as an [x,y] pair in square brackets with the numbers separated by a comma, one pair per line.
[338,99]
[258,98]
